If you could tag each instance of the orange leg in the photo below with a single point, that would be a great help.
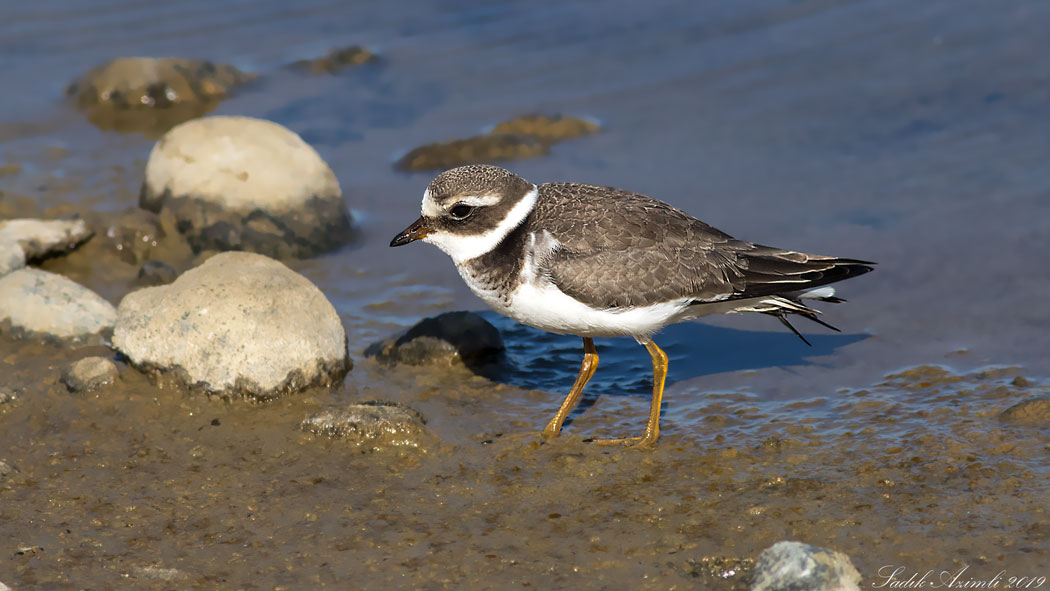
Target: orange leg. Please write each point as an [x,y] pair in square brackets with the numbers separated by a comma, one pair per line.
[590,363]
[652,428]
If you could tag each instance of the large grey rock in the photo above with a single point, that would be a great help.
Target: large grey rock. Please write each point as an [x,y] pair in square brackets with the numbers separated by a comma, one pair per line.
[372,426]
[794,566]
[237,183]
[89,373]
[448,339]
[240,323]
[35,301]
[27,239]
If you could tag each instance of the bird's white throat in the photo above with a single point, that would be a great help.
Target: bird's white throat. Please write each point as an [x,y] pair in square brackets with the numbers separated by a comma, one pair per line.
[463,247]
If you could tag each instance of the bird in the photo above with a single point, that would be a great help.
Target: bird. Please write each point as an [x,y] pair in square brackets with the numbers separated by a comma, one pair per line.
[596,261]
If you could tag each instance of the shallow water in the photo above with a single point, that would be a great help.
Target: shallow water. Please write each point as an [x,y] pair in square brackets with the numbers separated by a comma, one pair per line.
[906,133]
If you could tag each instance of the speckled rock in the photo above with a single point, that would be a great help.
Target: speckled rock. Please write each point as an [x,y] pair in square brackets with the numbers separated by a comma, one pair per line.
[448,339]
[89,373]
[482,149]
[794,566]
[240,323]
[237,183]
[27,239]
[152,94]
[5,469]
[1031,411]
[372,426]
[337,59]
[38,302]
[547,128]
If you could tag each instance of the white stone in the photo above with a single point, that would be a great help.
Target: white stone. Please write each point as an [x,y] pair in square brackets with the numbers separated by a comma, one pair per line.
[24,239]
[239,323]
[37,301]
[215,171]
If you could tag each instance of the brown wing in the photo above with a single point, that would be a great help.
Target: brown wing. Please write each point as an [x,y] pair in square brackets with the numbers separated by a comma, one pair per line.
[620,249]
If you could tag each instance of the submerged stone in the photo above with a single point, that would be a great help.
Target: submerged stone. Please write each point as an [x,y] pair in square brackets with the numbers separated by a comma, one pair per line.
[547,128]
[1031,411]
[153,94]
[240,323]
[336,59]
[238,183]
[482,149]
[372,426]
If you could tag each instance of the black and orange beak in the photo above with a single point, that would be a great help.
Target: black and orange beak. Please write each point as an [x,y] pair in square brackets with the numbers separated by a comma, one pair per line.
[417,230]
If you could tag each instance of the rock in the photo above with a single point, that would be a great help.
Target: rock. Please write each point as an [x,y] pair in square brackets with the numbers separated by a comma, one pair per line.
[7,395]
[135,233]
[482,149]
[90,373]
[5,469]
[448,339]
[372,426]
[24,240]
[155,273]
[237,183]
[547,129]
[35,301]
[240,323]
[794,566]
[337,59]
[1030,411]
[153,94]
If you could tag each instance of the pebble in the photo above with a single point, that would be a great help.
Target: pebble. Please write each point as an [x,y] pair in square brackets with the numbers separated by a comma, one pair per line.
[240,323]
[89,374]
[38,302]
[793,566]
[238,183]
[372,426]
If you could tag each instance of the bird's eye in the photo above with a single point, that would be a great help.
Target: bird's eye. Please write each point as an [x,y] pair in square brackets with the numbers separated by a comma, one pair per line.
[461,212]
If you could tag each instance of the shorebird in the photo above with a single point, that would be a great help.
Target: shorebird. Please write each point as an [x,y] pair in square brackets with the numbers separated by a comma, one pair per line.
[597,261]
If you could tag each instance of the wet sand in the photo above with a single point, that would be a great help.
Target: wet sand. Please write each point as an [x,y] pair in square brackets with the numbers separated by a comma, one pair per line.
[906,134]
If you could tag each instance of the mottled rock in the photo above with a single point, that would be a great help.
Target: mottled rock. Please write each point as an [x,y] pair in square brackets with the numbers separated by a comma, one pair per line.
[482,149]
[90,373]
[237,183]
[155,273]
[5,469]
[24,240]
[35,301]
[337,59]
[134,234]
[153,94]
[7,395]
[372,426]
[546,128]
[240,323]
[447,339]
[1031,411]
[794,566]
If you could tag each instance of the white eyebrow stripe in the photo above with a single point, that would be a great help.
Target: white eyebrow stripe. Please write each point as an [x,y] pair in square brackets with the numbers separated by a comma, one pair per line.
[475,201]
[429,209]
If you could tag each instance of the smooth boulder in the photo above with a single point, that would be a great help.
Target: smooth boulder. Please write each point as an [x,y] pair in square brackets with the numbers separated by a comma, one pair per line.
[240,324]
[238,183]
[33,301]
